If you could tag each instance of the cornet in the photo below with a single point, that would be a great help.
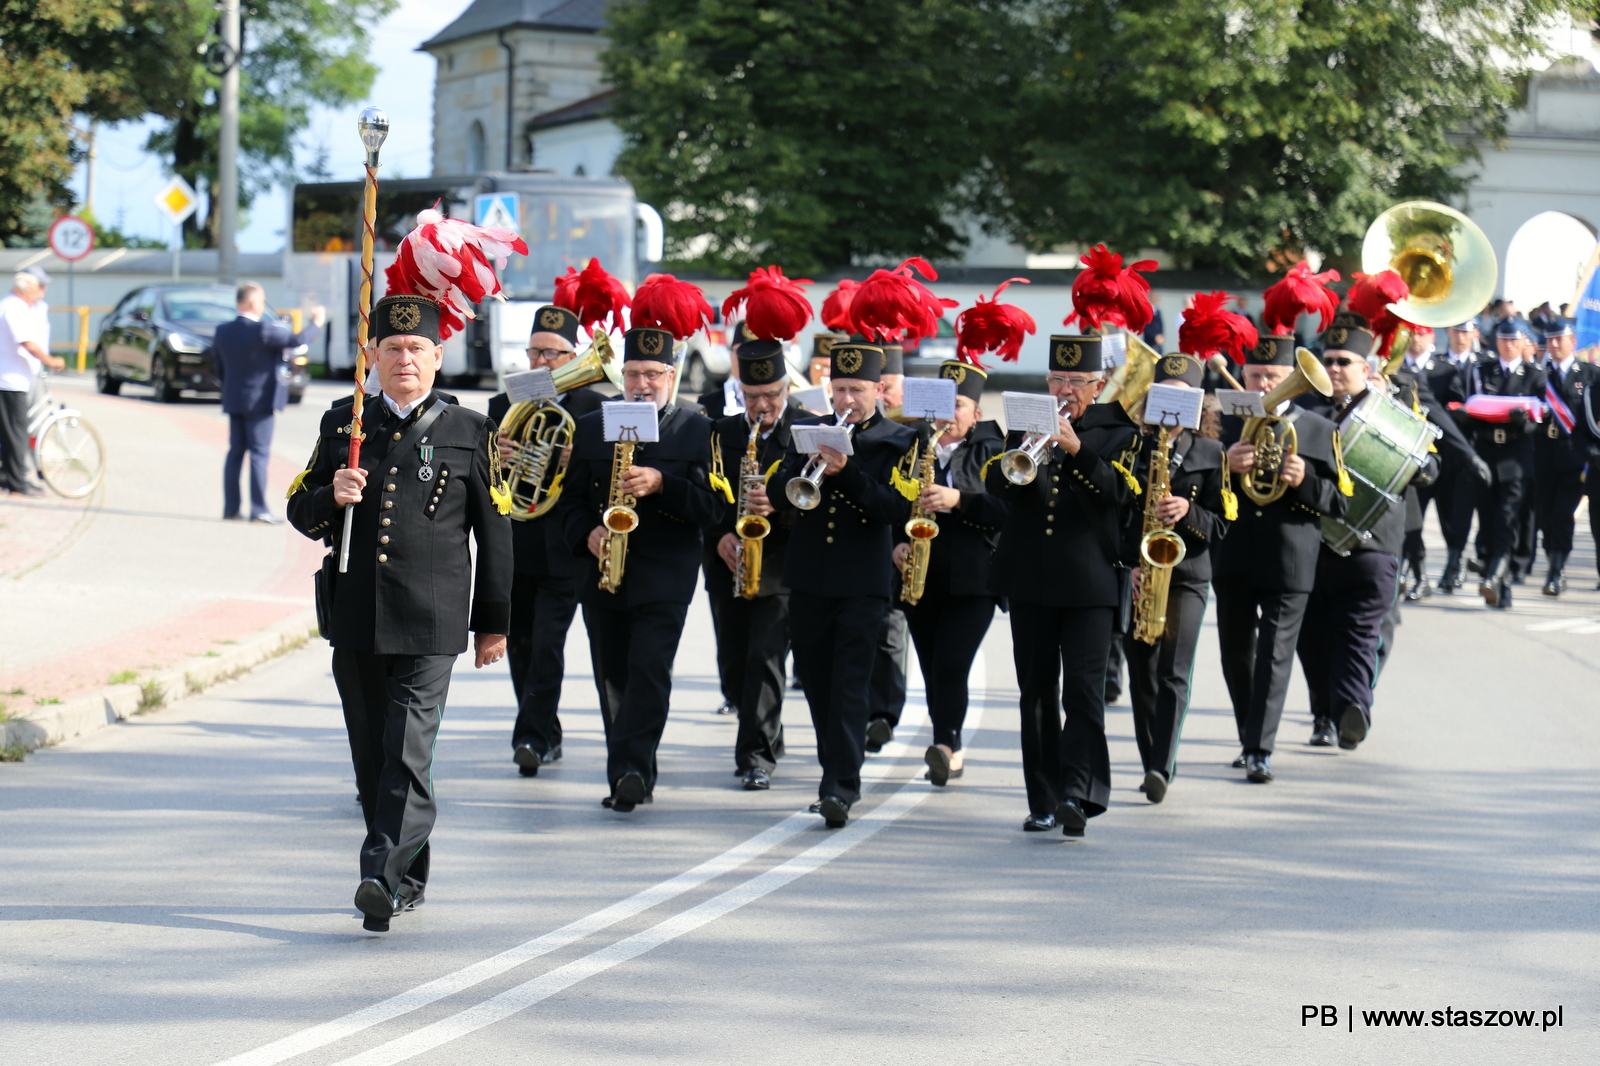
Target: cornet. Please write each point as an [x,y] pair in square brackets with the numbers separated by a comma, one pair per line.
[1020,465]
[805,491]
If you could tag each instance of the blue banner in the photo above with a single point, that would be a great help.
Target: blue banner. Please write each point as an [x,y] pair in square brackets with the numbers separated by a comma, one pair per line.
[1588,327]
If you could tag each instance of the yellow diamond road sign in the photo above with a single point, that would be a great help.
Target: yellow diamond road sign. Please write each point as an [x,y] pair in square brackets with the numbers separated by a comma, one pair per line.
[177,200]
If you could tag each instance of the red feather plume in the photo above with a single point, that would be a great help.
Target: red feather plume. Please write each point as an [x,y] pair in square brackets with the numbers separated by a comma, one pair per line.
[892,305]
[991,326]
[1299,293]
[664,302]
[453,263]
[1106,292]
[592,295]
[776,308]
[1370,298]
[1209,328]
[836,308]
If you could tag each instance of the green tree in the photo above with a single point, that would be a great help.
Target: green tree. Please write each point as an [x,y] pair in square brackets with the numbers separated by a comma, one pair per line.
[809,132]
[1233,134]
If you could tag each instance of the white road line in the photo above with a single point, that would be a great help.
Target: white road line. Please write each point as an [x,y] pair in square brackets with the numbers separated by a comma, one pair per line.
[328,1032]
[1559,623]
[1585,631]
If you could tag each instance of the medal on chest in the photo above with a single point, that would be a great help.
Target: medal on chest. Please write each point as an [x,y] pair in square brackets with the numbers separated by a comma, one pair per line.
[425,453]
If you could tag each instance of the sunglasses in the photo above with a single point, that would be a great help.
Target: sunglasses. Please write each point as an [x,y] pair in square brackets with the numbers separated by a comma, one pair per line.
[1339,360]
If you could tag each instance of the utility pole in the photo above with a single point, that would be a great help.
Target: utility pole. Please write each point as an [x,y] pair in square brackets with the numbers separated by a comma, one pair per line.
[88,182]
[227,190]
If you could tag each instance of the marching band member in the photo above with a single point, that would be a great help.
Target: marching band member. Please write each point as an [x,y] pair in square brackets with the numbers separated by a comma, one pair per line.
[888,691]
[1456,492]
[1561,449]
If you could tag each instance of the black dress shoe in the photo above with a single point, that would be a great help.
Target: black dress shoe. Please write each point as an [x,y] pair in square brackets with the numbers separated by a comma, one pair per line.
[1238,761]
[409,901]
[835,811]
[1352,727]
[1155,786]
[1322,733]
[1038,823]
[1475,566]
[28,489]
[629,793]
[527,759]
[756,779]
[267,519]
[233,518]
[816,807]
[879,732]
[1258,768]
[1070,817]
[610,801]
[938,761]
[375,904]
[1113,693]
[727,708]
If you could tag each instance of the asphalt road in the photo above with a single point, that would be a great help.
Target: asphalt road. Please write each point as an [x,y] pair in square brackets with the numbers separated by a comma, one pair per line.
[177,889]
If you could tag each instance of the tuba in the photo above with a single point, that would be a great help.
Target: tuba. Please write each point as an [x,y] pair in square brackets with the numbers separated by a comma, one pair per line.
[1160,549]
[619,518]
[1274,437]
[749,528]
[921,528]
[540,432]
[805,491]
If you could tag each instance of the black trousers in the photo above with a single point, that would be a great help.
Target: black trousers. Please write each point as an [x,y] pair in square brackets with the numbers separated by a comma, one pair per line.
[1456,496]
[1414,549]
[1343,631]
[392,708]
[1256,633]
[16,462]
[890,665]
[752,650]
[1556,492]
[632,649]
[1500,517]
[250,434]
[542,607]
[835,640]
[1060,654]
[1159,676]
[948,631]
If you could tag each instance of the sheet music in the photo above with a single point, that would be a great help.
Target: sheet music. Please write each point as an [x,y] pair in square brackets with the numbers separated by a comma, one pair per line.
[639,419]
[930,398]
[732,397]
[1170,405]
[1114,350]
[531,385]
[808,439]
[1031,412]
[814,399]
[1241,403]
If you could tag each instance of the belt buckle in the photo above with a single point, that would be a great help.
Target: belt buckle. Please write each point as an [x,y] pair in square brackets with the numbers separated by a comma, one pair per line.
[1499,436]
[1555,434]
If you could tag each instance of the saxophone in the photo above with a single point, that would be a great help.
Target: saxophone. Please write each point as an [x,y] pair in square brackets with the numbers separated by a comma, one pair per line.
[1160,549]
[750,528]
[619,518]
[921,528]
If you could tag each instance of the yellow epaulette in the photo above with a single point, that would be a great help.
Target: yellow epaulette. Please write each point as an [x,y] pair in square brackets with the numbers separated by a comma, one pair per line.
[1127,475]
[1346,486]
[909,487]
[499,491]
[716,478]
[299,482]
[983,475]
[1230,502]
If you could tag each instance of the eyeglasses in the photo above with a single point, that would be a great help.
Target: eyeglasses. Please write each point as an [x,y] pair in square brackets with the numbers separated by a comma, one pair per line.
[1071,383]
[1339,360]
[651,376]
[550,353]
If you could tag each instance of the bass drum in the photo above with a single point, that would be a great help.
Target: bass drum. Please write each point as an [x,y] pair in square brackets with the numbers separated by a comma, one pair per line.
[1384,442]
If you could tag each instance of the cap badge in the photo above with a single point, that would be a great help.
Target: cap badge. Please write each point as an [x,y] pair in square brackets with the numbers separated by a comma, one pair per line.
[1175,365]
[650,343]
[849,361]
[1337,336]
[405,316]
[957,374]
[551,318]
[1069,355]
[758,371]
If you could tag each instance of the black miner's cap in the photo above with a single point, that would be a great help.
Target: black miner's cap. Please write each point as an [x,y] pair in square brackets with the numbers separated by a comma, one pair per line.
[1075,353]
[760,362]
[557,320]
[1179,368]
[855,360]
[1272,351]
[404,315]
[649,344]
[968,378]
[1348,333]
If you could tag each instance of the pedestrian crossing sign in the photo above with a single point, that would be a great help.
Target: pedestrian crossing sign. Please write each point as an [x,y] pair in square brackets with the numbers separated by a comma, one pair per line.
[498,210]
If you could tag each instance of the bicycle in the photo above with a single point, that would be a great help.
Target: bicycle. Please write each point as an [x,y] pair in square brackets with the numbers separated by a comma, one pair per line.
[67,450]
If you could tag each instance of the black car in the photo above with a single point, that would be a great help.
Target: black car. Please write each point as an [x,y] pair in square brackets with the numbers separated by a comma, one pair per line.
[160,336]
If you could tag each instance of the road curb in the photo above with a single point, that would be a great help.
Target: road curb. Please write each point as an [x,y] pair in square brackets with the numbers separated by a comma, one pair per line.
[54,723]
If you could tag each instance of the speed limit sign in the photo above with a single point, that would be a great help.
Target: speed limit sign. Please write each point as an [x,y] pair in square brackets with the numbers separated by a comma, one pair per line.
[71,238]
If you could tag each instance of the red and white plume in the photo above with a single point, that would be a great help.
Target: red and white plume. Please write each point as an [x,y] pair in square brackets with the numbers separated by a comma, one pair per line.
[1209,328]
[1107,292]
[836,308]
[892,305]
[1370,298]
[991,326]
[776,308]
[664,302]
[593,295]
[453,263]
[1299,293]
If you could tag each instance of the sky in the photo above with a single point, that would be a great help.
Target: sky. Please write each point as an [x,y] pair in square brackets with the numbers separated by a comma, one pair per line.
[128,178]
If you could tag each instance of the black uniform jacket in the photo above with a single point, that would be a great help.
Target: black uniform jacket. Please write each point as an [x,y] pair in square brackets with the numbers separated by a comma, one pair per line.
[410,589]
[958,562]
[1389,532]
[540,544]
[1554,448]
[1505,446]
[1062,537]
[1416,392]
[1275,545]
[1195,470]
[842,546]
[731,437]
[664,552]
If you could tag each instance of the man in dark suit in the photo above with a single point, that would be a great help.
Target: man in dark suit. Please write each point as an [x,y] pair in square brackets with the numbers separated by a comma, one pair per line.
[1265,568]
[1456,491]
[544,592]
[1058,563]
[1561,449]
[249,356]
[634,630]
[398,618]
[838,568]
[888,692]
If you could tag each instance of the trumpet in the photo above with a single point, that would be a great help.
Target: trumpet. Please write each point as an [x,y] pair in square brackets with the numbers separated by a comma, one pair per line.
[1274,437]
[750,528]
[1160,549]
[1020,465]
[540,432]
[619,519]
[805,491]
[921,528]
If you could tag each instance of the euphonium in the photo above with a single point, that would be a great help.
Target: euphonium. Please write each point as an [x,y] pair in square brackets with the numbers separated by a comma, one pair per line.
[750,528]
[540,432]
[1020,465]
[1274,436]
[595,365]
[805,491]
[921,528]
[1160,549]
[619,518]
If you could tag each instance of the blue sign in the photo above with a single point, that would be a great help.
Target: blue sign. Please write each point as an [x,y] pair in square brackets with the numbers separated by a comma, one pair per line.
[1588,327]
[498,210]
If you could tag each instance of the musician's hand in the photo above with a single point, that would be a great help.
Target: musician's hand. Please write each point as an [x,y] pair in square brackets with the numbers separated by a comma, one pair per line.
[1138,580]
[488,648]
[1484,472]
[728,551]
[901,553]
[347,485]
[508,450]
[836,461]
[641,481]
[940,498]
[1242,457]
[566,456]
[1294,471]
[597,536]
[1066,438]
[1172,509]
[757,499]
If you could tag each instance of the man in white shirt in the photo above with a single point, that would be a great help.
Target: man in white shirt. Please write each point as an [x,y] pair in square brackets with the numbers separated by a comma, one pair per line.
[23,351]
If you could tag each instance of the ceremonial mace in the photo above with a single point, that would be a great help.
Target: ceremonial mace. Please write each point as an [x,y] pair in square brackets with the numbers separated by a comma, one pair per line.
[374,127]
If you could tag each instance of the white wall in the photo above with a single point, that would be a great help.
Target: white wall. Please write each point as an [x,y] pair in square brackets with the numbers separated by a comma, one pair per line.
[592,145]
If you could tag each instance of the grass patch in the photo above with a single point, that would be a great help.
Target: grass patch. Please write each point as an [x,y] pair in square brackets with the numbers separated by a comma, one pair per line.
[224,642]
[152,696]
[123,677]
[14,692]
[7,716]
[13,753]
[213,655]
[41,701]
